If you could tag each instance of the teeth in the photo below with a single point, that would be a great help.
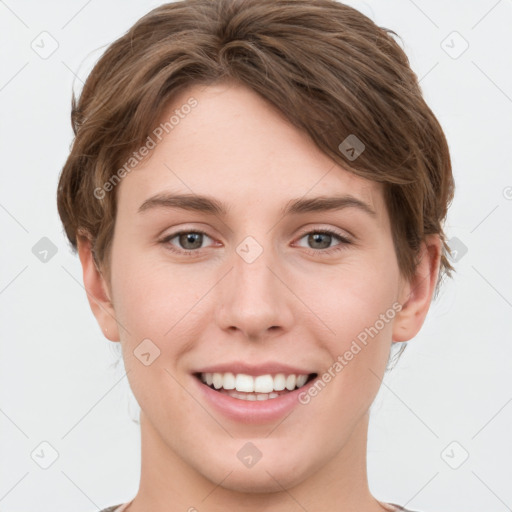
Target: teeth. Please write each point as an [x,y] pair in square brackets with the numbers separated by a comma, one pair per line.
[301,380]
[228,381]
[249,396]
[217,380]
[280,382]
[264,383]
[291,380]
[244,383]
[261,385]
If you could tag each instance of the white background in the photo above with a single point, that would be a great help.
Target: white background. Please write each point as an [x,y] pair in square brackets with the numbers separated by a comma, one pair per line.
[58,380]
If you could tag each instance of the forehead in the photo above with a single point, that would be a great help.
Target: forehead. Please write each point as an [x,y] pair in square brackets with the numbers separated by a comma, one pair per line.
[234,145]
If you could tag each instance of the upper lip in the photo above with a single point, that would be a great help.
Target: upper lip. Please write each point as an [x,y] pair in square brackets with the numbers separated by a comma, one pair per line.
[270,367]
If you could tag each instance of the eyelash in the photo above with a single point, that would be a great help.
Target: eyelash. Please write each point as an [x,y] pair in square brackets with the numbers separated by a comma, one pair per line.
[316,252]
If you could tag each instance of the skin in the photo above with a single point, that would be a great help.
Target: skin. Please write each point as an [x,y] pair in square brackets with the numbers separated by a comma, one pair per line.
[292,304]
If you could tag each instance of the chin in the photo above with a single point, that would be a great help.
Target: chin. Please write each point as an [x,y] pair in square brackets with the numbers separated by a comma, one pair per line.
[264,477]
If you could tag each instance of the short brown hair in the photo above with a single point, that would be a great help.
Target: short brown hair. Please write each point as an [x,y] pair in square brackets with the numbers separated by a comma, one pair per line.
[330,69]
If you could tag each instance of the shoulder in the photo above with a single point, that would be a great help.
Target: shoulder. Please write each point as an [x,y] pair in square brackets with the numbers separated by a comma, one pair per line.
[399,508]
[117,508]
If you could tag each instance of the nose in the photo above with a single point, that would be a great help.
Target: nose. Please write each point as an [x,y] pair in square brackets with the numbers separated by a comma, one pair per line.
[254,300]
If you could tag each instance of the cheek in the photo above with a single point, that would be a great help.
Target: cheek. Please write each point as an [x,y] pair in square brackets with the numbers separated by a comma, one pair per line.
[356,305]
[351,298]
[153,296]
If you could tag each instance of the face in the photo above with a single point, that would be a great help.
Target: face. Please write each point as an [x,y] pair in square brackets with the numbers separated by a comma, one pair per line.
[251,278]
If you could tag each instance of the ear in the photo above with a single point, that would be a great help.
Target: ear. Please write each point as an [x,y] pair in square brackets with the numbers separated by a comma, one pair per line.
[415,296]
[97,290]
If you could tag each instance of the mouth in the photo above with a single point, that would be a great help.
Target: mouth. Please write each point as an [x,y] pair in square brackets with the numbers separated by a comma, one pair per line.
[241,386]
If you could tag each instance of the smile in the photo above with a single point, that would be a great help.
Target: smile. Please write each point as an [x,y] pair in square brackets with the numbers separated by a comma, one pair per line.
[254,388]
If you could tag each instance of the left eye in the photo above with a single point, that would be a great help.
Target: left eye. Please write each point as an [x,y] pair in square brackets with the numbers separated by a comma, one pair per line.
[323,239]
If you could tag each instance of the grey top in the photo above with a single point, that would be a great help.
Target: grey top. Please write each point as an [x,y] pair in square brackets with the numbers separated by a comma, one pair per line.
[398,507]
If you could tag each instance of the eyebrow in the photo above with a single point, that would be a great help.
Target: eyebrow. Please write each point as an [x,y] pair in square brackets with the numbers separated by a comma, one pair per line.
[205,204]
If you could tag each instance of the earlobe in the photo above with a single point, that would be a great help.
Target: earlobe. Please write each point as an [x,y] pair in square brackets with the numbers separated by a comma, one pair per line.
[416,295]
[97,290]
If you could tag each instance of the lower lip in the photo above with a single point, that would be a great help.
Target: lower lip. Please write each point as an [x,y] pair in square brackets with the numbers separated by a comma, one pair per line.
[253,412]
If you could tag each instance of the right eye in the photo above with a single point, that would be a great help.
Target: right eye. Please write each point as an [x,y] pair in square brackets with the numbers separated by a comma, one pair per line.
[190,241]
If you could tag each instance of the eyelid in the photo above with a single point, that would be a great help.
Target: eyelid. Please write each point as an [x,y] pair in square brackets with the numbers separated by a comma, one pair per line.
[192,227]
[345,235]
[167,238]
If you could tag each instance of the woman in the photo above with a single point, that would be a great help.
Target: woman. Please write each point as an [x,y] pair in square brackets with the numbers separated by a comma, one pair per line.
[256,192]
